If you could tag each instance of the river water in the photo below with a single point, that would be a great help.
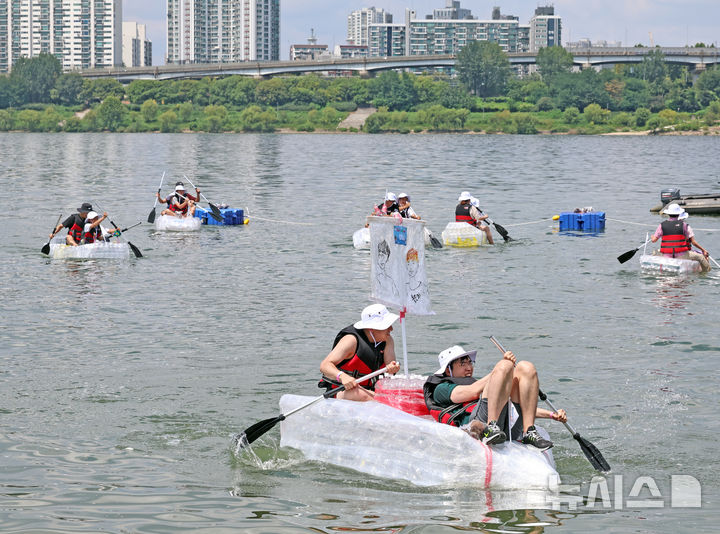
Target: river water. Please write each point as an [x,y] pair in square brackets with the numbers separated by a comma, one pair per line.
[122,383]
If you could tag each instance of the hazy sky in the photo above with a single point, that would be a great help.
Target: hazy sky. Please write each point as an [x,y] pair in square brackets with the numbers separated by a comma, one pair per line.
[671,22]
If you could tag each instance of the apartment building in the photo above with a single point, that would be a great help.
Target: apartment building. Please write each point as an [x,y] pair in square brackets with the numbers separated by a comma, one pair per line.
[222,31]
[358,23]
[137,48]
[80,33]
[545,29]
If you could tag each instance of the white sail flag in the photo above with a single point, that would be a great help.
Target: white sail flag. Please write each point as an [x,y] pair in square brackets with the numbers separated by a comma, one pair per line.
[397,269]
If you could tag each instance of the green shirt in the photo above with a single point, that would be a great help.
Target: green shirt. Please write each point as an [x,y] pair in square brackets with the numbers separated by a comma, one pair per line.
[441,396]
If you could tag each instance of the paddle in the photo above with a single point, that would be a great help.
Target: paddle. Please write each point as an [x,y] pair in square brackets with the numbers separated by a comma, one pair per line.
[625,256]
[500,229]
[46,247]
[434,241]
[213,207]
[151,216]
[217,216]
[591,453]
[135,250]
[713,260]
[261,427]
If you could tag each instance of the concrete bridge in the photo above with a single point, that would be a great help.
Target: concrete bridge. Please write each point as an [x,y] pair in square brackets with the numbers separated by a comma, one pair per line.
[696,58]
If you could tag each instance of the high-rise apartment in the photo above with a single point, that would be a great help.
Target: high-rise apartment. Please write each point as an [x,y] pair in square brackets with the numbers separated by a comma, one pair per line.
[137,48]
[80,33]
[545,29]
[358,23]
[221,31]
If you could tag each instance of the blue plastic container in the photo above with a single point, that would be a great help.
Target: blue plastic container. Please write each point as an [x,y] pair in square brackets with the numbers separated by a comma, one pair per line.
[593,221]
[231,217]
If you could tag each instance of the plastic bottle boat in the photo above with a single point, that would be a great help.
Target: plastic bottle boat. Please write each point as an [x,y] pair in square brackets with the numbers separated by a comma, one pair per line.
[170,223]
[666,265]
[102,250]
[385,441]
[462,234]
[361,238]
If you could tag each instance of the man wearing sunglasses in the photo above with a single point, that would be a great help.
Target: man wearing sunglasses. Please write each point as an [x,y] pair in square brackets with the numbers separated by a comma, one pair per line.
[480,405]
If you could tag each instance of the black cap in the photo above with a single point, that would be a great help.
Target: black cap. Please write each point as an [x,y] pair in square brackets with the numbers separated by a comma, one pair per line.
[86,206]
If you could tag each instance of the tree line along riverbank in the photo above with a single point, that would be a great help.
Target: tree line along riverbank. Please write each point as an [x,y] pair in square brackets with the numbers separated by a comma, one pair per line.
[484,97]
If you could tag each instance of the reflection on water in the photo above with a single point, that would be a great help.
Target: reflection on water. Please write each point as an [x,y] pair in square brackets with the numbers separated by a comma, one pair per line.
[672,292]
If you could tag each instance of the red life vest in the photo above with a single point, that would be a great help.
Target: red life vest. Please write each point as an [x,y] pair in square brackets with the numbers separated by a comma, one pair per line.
[367,359]
[674,240]
[448,414]
[176,207]
[93,235]
[462,214]
[76,230]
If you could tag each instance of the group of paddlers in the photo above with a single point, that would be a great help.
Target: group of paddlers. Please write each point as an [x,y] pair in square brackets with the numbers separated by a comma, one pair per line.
[467,211]
[84,227]
[452,394]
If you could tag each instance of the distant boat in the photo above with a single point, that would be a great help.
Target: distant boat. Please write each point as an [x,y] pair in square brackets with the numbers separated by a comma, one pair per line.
[708,204]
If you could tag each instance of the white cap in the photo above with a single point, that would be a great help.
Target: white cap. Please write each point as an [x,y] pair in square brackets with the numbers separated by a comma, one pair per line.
[179,188]
[475,202]
[403,195]
[683,216]
[448,356]
[376,317]
[91,215]
[673,209]
[465,195]
[390,196]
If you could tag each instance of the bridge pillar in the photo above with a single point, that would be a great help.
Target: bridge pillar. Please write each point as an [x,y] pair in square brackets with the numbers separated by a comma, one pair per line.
[585,66]
[365,74]
[697,70]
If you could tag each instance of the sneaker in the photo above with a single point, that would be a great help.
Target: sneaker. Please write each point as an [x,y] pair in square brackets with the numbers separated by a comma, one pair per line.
[475,429]
[532,437]
[492,434]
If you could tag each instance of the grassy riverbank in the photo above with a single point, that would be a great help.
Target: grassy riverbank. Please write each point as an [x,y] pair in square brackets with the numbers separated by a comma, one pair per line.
[497,116]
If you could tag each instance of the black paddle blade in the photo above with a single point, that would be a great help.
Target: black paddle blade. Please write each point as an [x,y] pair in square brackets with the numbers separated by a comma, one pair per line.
[253,432]
[435,242]
[502,232]
[592,454]
[151,216]
[135,250]
[214,209]
[217,216]
[622,258]
[46,248]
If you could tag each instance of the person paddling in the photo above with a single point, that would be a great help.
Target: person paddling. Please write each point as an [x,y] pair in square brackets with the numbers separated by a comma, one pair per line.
[180,203]
[75,224]
[92,231]
[388,207]
[360,349]
[465,211]
[483,403]
[404,207]
[678,238]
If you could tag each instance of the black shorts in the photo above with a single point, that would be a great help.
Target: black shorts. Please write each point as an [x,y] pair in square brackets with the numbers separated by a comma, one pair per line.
[517,429]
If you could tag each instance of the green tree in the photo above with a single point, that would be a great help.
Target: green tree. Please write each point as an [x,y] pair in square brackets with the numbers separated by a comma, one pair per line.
[254,119]
[168,122]
[149,110]
[571,115]
[707,86]
[553,60]
[38,76]
[653,68]
[139,91]
[272,92]
[595,114]
[642,115]
[111,114]
[94,91]
[6,121]
[484,68]
[67,89]
[214,118]
[394,91]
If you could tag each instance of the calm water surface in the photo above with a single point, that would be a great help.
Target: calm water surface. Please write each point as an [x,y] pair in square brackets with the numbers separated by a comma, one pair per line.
[122,383]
